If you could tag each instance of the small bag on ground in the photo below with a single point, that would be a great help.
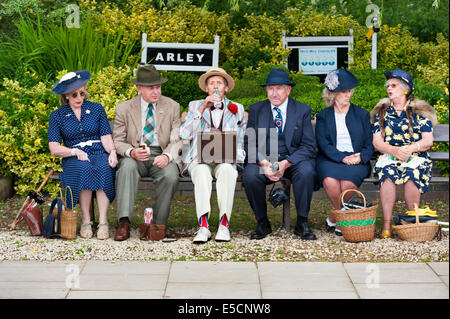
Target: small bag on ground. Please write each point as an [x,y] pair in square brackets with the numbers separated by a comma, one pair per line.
[34,219]
[152,231]
[52,224]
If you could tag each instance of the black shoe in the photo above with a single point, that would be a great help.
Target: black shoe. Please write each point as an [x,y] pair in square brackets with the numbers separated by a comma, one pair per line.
[329,225]
[262,230]
[304,231]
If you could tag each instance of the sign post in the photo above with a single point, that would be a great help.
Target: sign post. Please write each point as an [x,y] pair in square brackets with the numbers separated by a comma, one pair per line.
[180,56]
[318,55]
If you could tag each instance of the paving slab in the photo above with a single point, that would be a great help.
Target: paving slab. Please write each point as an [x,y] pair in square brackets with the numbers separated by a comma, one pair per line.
[127,267]
[115,294]
[35,271]
[121,282]
[213,272]
[212,290]
[439,268]
[391,273]
[213,280]
[300,279]
[404,291]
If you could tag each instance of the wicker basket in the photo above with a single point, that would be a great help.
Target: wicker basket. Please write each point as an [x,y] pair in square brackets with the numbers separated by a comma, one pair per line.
[356,225]
[418,231]
[69,220]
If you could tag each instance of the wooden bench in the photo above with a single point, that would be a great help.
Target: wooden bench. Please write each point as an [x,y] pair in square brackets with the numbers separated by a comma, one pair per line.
[440,134]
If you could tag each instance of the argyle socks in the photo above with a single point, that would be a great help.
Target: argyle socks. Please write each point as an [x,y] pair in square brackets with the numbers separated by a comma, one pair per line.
[224,221]
[203,221]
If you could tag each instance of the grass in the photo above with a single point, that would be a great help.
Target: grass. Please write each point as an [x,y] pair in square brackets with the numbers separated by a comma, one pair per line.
[183,220]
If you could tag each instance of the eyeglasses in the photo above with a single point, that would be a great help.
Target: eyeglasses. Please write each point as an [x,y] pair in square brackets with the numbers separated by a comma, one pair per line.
[393,85]
[75,94]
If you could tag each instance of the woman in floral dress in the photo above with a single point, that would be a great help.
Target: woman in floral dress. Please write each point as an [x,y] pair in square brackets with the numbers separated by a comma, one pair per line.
[403,132]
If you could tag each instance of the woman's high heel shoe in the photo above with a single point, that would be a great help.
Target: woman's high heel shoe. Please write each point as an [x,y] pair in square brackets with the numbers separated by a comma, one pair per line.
[386,234]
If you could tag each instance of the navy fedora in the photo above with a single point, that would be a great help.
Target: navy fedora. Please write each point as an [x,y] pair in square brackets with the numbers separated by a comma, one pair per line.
[277,77]
[340,80]
[71,81]
[402,75]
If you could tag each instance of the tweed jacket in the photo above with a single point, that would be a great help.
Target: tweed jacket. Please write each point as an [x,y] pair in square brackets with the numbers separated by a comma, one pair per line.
[128,126]
[231,122]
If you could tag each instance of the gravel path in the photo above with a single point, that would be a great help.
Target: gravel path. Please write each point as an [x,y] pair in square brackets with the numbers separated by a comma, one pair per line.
[279,246]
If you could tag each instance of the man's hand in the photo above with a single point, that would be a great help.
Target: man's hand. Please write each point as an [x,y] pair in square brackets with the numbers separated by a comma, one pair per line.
[283,165]
[266,166]
[140,154]
[161,161]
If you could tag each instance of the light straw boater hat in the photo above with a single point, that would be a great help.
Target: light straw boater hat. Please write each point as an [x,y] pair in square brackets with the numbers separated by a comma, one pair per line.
[212,72]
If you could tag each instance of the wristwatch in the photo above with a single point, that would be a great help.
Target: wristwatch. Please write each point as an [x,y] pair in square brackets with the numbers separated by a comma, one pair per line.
[72,151]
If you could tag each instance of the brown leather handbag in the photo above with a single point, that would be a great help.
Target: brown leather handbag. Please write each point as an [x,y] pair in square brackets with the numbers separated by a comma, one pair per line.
[152,231]
[34,219]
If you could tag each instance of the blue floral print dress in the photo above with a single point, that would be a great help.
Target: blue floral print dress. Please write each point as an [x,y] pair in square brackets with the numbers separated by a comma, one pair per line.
[397,134]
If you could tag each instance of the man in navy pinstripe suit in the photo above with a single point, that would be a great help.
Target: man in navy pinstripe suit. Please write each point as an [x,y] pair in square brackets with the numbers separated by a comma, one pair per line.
[286,124]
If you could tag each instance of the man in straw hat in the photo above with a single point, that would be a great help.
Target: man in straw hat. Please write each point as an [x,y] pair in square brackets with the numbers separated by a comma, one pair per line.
[146,135]
[289,121]
[215,112]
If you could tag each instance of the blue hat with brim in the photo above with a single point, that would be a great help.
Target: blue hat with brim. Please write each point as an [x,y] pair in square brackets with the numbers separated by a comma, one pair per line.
[71,81]
[278,77]
[340,80]
[400,74]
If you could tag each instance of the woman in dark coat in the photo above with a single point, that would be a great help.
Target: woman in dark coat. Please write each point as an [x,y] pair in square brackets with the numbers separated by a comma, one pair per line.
[344,138]
[88,154]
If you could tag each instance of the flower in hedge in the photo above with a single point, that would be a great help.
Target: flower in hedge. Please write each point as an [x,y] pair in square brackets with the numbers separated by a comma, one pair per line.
[233,108]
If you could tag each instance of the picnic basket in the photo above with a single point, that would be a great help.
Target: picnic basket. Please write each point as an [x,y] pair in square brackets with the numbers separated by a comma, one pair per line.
[68,219]
[417,231]
[356,225]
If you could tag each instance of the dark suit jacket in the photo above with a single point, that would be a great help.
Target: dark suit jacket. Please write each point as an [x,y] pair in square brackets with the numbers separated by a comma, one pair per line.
[359,128]
[299,134]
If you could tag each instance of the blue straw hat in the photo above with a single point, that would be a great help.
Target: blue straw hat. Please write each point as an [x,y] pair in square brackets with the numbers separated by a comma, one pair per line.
[340,80]
[402,75]
[71,81]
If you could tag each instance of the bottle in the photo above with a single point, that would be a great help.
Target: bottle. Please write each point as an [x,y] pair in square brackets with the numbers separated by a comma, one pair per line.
[148,215]
[217,104]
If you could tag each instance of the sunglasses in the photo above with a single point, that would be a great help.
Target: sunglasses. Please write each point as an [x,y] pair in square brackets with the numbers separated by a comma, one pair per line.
[75,94]
[392,85]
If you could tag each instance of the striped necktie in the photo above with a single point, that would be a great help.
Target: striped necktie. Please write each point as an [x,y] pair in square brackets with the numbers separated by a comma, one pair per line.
[278,120]
[149,126]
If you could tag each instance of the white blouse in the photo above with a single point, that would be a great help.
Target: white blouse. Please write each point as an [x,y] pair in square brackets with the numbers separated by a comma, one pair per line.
[343,140]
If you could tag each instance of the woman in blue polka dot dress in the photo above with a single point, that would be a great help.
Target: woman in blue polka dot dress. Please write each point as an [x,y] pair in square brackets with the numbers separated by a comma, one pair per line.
[88,155]
[403,132]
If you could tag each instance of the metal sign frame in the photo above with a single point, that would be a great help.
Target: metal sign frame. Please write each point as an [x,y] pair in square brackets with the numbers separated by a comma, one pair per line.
[169,67]
[320,41]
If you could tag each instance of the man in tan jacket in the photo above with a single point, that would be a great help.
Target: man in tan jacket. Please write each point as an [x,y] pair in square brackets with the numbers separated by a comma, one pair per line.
[146,136]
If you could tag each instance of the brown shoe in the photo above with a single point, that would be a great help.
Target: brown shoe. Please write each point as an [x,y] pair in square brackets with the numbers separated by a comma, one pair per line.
[123,231]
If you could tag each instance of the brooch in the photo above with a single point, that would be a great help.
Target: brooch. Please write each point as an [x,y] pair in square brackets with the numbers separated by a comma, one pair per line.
[88,111]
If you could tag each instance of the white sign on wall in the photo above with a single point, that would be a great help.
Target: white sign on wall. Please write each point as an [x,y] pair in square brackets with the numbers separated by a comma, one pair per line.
[317,60]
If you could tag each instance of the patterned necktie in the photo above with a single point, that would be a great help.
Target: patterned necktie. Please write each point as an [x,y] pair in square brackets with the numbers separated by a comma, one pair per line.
[278,120]
[149,126]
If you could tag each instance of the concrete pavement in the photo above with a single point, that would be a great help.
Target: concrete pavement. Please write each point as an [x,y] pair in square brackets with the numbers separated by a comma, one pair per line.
[222,280]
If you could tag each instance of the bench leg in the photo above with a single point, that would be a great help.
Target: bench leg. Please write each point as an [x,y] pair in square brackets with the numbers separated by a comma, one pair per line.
[287,206]
[92,209]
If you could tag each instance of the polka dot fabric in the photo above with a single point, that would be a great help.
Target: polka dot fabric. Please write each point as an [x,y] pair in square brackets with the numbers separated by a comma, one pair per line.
[96,174]
[397,134]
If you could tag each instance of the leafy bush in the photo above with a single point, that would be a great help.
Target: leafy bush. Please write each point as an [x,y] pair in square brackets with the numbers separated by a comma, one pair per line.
[46,49]
[24,113]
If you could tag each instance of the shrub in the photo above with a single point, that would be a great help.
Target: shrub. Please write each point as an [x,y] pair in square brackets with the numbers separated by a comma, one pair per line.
[46,49]
[24,113]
